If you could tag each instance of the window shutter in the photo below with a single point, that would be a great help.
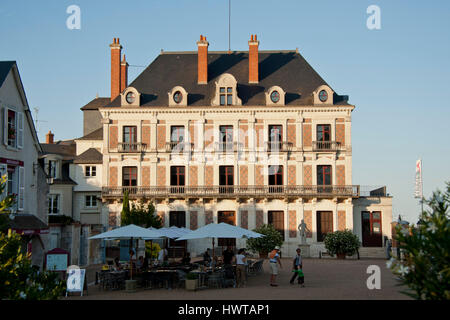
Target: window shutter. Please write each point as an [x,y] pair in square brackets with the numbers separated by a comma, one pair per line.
[5,126]
[20,130]
[21,187]
[3,171]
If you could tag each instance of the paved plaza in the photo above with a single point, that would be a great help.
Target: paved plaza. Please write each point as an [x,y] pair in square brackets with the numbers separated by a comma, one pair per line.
[325,279]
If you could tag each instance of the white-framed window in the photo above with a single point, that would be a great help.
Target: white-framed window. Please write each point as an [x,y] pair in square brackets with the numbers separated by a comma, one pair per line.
[90,201]
[52,168]
[53,204]
[15,184]
[13,125]
[90,171]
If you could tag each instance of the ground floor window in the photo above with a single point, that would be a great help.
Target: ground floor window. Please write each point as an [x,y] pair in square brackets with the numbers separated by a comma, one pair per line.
[276,218]
[324,224]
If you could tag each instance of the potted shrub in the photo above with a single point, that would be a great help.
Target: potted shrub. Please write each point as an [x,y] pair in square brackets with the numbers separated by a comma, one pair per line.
[341,243]
[264,245]
[191,281]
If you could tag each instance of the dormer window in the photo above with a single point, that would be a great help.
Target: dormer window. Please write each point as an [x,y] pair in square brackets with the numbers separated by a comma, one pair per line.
[275,96]
[226,96]
[130,97]
[323,95]
[178,97]
[226,91]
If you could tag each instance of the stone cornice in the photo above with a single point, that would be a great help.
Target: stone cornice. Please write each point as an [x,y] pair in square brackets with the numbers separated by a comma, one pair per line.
[201,111]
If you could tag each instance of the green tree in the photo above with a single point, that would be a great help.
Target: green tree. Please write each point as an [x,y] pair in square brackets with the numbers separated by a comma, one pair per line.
[141,214]
[125,213]
[425,267]
[18,279]
[267,243]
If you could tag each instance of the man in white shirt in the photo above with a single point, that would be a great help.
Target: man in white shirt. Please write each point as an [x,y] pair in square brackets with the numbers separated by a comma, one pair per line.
[241,261]
[162,256]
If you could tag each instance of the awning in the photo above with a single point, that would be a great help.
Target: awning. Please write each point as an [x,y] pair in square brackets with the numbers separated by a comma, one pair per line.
[28,224]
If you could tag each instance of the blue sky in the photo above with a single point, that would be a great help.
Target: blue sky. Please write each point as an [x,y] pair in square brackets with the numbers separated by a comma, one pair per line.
[397,76]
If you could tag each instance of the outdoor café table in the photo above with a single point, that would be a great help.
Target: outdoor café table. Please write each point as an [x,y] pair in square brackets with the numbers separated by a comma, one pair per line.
[161,276]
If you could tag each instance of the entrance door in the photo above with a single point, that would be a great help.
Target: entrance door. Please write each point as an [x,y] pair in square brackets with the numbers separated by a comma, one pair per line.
[230,218]
[371,229]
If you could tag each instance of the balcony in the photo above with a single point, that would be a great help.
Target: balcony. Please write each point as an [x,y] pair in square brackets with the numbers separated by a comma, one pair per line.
[278,146]
[327,146]
[228,147]
[233,191]
[179,147]
[131,147]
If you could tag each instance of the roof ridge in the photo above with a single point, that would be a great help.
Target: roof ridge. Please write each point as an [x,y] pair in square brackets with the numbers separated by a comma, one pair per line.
[227,52]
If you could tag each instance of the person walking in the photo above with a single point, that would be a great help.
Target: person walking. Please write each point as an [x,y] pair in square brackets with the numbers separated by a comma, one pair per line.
[241,275]
[274,257]
[298,265]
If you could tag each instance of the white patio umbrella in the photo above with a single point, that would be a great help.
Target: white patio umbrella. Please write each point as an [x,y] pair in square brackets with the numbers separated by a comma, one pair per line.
[220,230]
[129,232]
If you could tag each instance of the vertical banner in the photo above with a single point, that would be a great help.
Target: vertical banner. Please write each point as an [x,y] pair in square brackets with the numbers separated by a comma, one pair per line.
[418,189]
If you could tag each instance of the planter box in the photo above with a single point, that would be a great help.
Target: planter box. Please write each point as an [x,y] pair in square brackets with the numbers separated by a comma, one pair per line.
[191,285]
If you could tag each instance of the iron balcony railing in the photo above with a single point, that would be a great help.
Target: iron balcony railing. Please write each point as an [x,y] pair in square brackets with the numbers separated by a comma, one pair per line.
[233,191]
[325,146]
[177,146]
[226,147]
[278,146]
[131,147]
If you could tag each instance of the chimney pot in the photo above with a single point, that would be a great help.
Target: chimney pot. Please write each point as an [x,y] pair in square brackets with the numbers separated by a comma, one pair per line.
[49,137]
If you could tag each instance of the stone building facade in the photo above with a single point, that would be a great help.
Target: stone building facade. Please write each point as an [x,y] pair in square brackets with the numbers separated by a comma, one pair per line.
[247,138]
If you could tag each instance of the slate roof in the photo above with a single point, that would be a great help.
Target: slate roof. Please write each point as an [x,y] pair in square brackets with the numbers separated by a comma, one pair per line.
[91,155]
[5,66]
[94,135]
[96,103]
[287,69]
[27,222]
[67,149]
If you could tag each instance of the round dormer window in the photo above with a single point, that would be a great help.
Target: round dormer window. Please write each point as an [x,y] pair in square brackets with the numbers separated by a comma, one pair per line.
[177,97]
[130,97]
[323,95]
[275,96]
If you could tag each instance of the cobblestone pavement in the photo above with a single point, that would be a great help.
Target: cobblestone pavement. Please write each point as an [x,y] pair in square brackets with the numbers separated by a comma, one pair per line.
[324,279]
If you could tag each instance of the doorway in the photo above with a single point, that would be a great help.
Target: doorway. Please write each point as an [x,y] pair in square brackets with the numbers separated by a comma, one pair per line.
[371,229]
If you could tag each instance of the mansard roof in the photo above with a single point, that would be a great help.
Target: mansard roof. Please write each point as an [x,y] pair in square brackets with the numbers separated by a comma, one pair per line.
[287,69]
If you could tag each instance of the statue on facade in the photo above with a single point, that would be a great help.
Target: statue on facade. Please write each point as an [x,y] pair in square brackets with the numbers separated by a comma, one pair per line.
[303,229]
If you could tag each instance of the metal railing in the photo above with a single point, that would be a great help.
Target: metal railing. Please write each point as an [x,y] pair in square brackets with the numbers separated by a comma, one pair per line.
[278,146]
[233,191]
[176,146]
[131,147]
[325,146]
[225,147]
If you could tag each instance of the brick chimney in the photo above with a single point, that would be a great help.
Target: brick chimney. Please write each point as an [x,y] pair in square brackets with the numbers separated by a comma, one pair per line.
[202,60]
[253,75]
[49,138]
[116,50]
[123,74]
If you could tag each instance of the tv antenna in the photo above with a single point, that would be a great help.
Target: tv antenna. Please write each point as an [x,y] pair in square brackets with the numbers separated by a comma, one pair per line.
[36,125]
